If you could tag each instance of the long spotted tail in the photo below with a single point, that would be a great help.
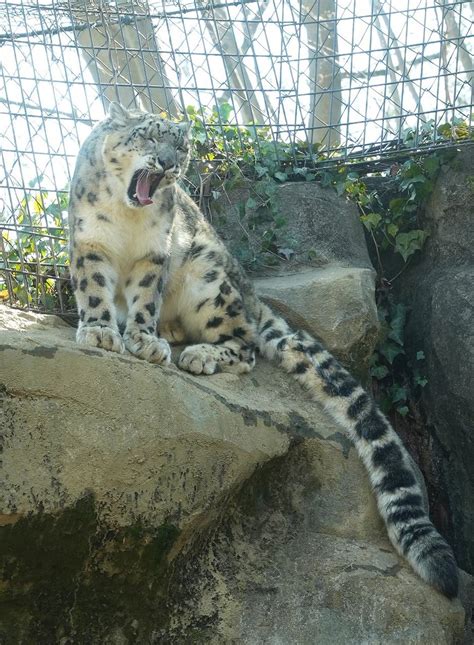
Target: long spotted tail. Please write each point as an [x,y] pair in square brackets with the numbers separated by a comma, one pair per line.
[399,496]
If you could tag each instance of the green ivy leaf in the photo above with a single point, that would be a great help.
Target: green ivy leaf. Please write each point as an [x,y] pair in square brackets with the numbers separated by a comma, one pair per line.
[199,135]
[398,393]
[402,410]
[280,222]
[35,181]
[406,183]
[261,170]
[281,176]
[420,356]
[407,243]
[379,372]
[300,171]
[431,165]
[445,130]
[392,229]
[251,204]
[390,351]
[420,380]
[397,323]
[371,220]
[327,179]
[397,205]
[224,111]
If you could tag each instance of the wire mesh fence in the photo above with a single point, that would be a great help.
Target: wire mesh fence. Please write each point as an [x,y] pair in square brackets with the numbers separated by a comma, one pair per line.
[335,79]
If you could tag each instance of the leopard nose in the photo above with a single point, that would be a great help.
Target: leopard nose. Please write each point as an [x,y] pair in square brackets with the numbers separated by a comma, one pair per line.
[166,164]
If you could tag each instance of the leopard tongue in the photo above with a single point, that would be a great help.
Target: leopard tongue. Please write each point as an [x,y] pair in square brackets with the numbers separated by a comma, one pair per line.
[143,189]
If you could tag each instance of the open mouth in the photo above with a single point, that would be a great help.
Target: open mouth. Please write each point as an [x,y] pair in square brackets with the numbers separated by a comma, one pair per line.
[143,185]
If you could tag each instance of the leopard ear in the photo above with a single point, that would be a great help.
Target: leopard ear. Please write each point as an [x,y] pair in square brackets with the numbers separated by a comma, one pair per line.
[118,114]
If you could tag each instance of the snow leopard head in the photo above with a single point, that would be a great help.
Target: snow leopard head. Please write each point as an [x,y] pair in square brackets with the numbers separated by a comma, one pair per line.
[145,152]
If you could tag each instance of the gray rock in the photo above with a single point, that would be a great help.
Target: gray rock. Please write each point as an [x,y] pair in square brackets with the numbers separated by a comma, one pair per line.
[335,304]
[123,430]
[320,220]
[466,595]
[291,566]
[442,325]
[325,228]
[319,581]
[142,504]
[450,213]
[440,292]
[328,286]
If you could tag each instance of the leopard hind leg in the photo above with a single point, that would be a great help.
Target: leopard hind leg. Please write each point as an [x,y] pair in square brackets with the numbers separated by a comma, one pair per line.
[217,321]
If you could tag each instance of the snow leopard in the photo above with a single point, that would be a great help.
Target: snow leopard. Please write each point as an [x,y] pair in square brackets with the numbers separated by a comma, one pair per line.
[148,269]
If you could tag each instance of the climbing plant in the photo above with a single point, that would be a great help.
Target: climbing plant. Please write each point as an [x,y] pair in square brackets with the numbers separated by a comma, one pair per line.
[33,252]
[390,212]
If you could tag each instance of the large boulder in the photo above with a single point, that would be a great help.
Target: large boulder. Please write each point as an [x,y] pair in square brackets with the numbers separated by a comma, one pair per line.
[327,285]
[142,504]
[440,292]
[291,566]
[449,213]
[334,303]
[121,429]
[324,228]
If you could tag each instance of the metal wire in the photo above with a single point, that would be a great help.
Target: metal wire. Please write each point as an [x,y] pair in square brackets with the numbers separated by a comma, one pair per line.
[352,76]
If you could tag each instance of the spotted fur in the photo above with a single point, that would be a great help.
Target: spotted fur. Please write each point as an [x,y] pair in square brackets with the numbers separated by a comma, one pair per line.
[147,269]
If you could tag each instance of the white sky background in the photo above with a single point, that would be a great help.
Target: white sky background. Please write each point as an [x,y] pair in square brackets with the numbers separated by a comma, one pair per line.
[51,74]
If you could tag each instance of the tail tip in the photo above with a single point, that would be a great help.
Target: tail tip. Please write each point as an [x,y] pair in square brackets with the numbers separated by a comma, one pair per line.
[443,574]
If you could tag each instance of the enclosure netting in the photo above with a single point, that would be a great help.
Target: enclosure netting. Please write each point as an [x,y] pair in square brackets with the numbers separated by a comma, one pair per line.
[340,80]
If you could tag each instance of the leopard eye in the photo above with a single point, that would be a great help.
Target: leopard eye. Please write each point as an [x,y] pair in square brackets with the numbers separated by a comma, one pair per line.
[183,149]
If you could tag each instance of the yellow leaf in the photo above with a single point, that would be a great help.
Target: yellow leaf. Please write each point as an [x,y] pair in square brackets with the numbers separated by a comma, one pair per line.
[38,204]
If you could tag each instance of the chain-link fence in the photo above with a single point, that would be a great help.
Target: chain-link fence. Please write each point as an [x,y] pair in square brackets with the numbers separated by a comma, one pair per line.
[340,79]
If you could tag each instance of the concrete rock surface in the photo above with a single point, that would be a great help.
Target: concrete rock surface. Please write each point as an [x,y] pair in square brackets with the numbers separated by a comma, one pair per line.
[141,504]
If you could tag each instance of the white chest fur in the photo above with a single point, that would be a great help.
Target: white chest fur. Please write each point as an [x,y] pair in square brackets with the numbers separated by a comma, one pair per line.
[126,235]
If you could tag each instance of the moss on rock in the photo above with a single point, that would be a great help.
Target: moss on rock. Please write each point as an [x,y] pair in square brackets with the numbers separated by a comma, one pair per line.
[65,575]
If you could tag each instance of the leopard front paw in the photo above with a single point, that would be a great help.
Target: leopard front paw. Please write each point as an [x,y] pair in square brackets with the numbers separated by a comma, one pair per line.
[148,347]
[100,336]
[197,359]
